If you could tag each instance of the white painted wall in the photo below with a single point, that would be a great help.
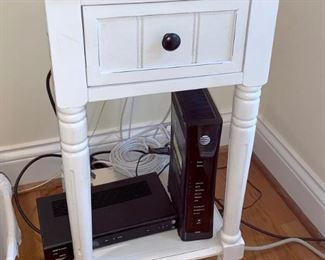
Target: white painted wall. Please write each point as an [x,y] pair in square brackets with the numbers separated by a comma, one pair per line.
[293,103]
[25,113]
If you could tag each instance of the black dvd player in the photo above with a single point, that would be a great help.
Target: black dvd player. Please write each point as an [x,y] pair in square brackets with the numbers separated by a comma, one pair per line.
[122,210]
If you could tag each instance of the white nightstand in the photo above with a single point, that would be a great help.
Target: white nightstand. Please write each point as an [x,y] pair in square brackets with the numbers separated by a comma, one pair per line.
[108,49]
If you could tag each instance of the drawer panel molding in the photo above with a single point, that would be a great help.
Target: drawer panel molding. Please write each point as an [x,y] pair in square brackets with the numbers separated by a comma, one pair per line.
[123,43]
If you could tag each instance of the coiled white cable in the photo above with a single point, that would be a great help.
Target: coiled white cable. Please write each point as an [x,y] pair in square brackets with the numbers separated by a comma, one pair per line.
[125,155]
[285,241]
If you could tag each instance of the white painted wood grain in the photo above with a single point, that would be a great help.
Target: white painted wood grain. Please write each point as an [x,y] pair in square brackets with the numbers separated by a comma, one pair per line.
[162,86]
[260,36]
[76,172]
[65,31]
[242,133]
[117,44]
[220,36]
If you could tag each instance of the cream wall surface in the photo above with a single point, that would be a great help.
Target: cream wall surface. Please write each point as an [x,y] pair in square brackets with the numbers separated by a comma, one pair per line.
[25,112]
[293,103]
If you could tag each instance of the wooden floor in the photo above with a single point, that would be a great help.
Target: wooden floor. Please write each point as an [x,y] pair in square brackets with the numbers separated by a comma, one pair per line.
[270,213]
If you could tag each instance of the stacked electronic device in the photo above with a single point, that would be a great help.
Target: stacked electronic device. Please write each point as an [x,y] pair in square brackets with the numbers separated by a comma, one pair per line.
[140,206]
[122,210]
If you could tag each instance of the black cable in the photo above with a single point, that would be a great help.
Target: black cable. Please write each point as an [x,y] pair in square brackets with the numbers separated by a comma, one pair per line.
[260,230]
[250,205]
[138,151]
[162,170]
[49,92]
[159,150]
[92,156]
[100,152]
[268,233]
[140,158]
[16,195]
[259,196]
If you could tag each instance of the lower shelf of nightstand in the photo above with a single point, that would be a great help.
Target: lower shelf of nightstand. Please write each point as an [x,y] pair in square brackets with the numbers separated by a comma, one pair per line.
[165,245]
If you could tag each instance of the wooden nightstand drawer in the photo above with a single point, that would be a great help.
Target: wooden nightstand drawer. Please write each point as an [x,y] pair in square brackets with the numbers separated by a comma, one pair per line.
[124,42]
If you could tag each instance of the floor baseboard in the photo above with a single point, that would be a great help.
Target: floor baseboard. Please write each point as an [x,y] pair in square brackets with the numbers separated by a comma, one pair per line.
[292,173]
[286,198]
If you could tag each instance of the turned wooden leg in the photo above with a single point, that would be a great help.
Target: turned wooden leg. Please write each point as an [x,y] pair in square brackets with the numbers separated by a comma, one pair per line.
[242,133]
[75,155]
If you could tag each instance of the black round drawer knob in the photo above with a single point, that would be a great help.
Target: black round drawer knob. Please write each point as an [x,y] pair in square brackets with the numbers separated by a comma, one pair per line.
[171,41]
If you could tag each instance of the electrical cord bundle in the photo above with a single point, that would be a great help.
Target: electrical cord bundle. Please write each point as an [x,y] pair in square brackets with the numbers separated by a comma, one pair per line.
[124,157]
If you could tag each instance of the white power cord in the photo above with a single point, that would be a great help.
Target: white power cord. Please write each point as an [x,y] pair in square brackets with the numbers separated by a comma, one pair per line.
[131,117]
[163,121]
[162,126]
[286,241]
[97,121]
[40,185]
[121,118]
[125,155]
[164,130]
